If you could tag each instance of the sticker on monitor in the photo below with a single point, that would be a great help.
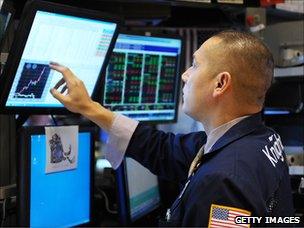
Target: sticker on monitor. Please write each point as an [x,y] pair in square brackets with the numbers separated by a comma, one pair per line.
[61,148]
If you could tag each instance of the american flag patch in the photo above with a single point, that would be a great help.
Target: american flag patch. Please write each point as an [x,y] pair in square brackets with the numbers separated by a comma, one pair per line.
[222,216]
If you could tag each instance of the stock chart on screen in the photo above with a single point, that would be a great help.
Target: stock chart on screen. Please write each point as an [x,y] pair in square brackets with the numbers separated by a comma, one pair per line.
[78,43]
[32,81]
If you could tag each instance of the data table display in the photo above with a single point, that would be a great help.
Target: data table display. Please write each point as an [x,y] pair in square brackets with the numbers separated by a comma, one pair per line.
[142,77]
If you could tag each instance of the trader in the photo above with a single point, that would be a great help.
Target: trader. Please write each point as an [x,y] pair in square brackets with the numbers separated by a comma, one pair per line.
[235,168]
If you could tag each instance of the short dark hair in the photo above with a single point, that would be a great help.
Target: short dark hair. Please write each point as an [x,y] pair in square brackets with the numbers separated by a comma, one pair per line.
[252,63]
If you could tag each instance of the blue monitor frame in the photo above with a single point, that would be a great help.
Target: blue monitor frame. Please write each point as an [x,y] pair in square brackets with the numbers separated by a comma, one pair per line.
[24,173]
[178,68]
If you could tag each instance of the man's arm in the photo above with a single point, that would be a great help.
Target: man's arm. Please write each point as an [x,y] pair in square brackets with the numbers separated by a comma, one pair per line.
[164,154]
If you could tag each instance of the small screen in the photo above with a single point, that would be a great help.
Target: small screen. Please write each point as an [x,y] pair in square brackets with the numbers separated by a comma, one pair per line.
[78,43]
[141,77]
[60,199]
[142,189]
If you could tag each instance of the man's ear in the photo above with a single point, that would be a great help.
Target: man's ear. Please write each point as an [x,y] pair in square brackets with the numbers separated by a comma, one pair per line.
[222,83]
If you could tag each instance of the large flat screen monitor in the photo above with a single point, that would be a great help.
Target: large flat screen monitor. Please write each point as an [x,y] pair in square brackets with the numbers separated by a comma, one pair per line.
[59,199]
[143,79]
[138,191]
[77,38]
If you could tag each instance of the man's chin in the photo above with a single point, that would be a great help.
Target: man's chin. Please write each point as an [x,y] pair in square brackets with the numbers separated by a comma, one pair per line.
[189,113]
[186,111]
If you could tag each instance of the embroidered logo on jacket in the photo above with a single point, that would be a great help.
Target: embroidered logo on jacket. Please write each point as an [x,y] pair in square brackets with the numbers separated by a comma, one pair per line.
[274,153]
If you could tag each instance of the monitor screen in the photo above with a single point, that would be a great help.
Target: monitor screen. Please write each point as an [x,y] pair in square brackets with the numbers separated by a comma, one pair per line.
[142,186]
[79,41]
[142,77]
[59,199]
[138,191]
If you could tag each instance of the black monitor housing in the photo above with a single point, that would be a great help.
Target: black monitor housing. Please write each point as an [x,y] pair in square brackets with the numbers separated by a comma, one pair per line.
[81,39]
[142,80]
[30,157]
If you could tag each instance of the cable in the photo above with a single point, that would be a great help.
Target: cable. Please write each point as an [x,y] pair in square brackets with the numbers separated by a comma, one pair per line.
[3,212]
[107,202]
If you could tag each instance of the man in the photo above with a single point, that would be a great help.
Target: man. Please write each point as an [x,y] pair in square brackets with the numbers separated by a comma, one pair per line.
[237,167]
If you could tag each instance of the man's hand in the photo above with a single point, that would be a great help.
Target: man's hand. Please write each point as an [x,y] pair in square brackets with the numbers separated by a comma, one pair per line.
[77,98]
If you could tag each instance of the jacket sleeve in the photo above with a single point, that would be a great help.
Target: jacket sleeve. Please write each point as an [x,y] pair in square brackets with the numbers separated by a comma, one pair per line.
[165,154]
[222,190]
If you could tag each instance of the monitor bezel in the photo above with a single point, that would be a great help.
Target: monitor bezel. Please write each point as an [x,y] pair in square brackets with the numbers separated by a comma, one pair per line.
[24,173]
[19,43]
[178,69]
[124,209]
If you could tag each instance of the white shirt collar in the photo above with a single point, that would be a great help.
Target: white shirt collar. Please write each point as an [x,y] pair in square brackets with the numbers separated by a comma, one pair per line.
[218,132]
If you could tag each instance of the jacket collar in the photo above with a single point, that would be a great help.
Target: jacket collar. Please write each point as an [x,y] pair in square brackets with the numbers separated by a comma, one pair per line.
[244,127]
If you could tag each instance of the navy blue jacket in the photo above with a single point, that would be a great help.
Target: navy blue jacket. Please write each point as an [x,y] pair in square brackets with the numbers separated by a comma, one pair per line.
[245,169]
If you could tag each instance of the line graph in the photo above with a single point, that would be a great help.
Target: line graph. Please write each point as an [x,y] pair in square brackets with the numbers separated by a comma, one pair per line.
[32,81]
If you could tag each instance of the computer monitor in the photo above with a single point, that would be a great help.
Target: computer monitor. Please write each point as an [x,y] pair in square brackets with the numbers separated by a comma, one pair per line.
[80,39]
[143,77]
[59,199]
[138,191]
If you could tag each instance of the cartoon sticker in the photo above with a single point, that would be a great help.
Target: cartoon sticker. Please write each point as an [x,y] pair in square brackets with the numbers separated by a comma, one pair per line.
[61,148]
